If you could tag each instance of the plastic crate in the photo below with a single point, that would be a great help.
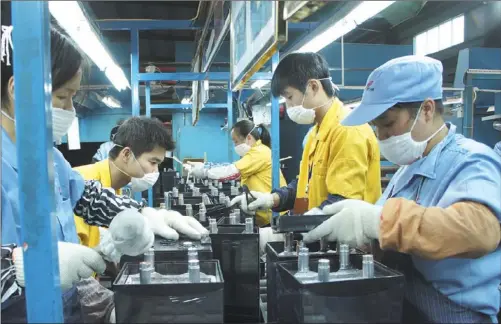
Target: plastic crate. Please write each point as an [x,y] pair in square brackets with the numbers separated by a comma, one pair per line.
[273,250]
[238,255]
[168,250]
[169,302]
[349,300]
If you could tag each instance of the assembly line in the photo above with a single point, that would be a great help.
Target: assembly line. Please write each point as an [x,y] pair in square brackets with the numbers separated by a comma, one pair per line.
[389,209]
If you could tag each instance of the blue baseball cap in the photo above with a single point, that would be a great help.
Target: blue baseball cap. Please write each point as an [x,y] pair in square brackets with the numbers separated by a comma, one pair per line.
[409,78]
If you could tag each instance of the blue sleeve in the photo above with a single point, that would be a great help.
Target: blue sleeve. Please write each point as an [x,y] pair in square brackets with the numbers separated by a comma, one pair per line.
[330,200]
[77,185]
[497,148]
[476,179]
[287,197]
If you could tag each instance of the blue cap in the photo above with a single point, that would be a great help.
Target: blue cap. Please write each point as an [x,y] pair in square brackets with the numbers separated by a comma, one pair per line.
[409,78]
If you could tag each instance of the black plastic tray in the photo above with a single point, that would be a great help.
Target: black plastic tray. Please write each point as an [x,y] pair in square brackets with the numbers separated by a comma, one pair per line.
[273,257]
[170,302]
[297,223]
[239,257]
[166,250]
[356,300]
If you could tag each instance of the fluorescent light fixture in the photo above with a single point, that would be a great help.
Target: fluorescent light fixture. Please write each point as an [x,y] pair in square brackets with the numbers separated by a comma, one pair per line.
[357,16]
[259,84]
[280,101]
[111,102]
[74,135]
[71,18]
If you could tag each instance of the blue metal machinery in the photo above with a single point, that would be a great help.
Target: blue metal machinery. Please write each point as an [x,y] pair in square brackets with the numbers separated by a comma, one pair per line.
[32,72]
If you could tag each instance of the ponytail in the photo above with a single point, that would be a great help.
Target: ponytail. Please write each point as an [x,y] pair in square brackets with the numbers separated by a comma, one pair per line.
[264,135]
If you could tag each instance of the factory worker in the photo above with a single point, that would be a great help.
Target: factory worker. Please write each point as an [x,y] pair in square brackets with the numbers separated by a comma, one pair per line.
[104,149]
[252,142]
[338,162]
[140,146]
[441,211]
[73,195]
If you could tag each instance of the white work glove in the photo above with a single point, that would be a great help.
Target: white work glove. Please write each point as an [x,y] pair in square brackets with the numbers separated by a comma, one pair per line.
[354,222]
[113,317]
[198,170]
[168,223]
[314,211]
[263,201]
[266,235]
[76,262]
[223,172]
[129,234]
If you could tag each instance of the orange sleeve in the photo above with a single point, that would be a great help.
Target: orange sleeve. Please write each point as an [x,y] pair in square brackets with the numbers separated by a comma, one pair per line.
[465,229]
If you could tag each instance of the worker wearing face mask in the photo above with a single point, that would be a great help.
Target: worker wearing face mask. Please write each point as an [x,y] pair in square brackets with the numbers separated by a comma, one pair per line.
[338,162]
[252,143]
[139,147]
[441,211]
[131,225]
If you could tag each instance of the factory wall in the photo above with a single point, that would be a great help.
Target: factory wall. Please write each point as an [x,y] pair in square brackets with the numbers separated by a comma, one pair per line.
[204,138]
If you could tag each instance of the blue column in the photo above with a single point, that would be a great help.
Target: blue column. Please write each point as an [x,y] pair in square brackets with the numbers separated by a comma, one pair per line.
[275,134]
[229,102]
[147,94]
[134,80]
[468,107]
[31,39]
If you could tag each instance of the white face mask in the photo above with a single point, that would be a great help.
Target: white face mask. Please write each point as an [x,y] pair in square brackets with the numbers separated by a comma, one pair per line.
[61,122]
[403,149]
[144,183]
[140,184]
[242,149]
[301,115]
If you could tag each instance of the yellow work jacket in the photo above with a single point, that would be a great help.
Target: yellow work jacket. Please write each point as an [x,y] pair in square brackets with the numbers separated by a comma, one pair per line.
[255,172]
[339,160]
[100,171]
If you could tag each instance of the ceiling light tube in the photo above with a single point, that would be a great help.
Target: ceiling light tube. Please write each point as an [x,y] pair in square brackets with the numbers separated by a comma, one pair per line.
[71,18]
[357,16]
[259,84]
[111,102]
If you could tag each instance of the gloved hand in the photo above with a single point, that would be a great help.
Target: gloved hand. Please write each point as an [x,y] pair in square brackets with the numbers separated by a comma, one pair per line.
[354,222]
[129,234]
[112,318]
[76,262]
[314,211]
[168,223]
[198,170]
[263,201]
[266,235]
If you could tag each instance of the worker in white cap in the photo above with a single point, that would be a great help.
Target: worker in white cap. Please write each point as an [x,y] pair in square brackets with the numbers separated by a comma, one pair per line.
[438,220]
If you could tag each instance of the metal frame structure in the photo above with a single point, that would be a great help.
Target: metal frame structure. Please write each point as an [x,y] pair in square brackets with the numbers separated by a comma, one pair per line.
[32,72]
[137,77]
[468,111]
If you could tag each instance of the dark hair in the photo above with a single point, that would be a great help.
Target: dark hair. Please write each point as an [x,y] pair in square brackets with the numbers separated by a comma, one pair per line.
[114,131]
[260,132]
[296,69]
[66,58]
[413,107]
[141,135]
